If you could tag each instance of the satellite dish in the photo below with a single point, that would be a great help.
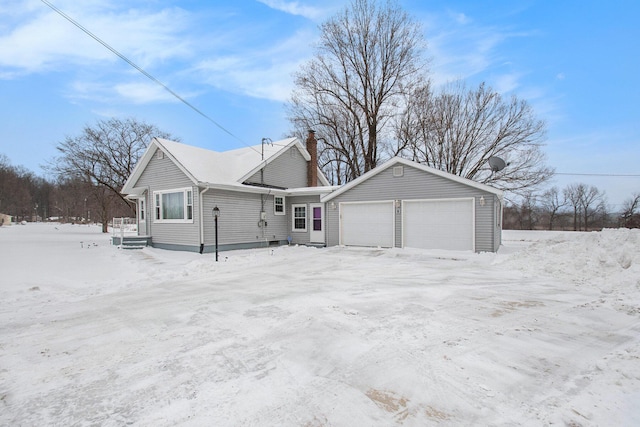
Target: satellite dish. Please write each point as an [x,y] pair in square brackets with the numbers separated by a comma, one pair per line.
[496,164]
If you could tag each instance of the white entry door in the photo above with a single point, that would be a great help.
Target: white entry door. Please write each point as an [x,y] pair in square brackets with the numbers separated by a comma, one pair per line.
[142,217]
[316,235]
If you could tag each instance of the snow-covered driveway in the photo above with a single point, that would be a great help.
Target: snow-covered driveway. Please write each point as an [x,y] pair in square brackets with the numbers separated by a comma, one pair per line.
[547,331]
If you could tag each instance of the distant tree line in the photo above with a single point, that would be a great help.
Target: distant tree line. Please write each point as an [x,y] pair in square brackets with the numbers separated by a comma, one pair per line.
[577,207]
[88,175]
[28,197]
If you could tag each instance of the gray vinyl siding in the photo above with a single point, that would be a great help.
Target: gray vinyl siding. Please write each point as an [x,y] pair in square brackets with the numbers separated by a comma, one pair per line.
[415,185]
[239,219]
[289,170]
[301,237]
[163,174]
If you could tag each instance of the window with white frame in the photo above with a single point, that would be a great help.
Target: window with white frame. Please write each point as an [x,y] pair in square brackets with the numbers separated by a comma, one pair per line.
[174,205]
[299,217]
[278,205]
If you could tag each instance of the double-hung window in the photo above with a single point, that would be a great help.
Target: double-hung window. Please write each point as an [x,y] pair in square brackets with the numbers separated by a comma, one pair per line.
[278,205]
[174,205]
[299,217]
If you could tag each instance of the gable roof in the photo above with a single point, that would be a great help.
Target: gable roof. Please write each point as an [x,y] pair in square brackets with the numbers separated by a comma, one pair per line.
[212,168]
[398,160]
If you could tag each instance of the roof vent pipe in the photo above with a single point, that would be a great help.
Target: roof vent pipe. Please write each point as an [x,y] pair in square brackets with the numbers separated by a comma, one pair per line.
[312,165]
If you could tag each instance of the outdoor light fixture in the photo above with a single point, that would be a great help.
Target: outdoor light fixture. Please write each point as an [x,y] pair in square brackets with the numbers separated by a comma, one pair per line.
[481,200]
[333,205]
[216,214]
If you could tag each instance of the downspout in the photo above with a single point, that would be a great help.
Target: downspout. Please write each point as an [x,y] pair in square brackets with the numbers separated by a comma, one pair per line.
[147,220]
[201,209]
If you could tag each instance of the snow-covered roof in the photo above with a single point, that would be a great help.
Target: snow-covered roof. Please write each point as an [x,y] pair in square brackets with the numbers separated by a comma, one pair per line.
[227,169]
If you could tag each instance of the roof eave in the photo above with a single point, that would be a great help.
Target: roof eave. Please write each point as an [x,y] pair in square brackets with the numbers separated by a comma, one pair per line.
[265,162]
[396,160]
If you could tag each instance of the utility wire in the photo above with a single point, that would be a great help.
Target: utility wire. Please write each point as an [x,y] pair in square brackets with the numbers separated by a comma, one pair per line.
[141,70]
[598,174]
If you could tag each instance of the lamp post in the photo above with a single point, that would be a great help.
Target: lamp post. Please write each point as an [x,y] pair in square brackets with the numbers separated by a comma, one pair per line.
[216,214]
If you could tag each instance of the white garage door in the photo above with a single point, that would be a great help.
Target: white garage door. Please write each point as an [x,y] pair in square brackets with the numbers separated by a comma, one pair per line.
[439,224]
[367,224]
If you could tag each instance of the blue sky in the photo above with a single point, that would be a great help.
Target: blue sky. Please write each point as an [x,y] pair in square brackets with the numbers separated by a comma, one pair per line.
[576,62]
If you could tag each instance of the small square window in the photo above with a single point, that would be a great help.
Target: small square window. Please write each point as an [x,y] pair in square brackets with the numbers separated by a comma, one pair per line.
[398,171]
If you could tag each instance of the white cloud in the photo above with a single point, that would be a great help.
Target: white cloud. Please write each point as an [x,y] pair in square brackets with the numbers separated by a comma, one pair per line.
[41,40]
[462,48]
[506,83]
[260,73]
[144,93]
[295,8]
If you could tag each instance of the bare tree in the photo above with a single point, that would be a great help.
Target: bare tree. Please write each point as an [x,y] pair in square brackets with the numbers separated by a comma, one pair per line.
[103,156]
[630,217]
[573,195]
[587,202]
[521,214]
[458,129]
[551,204]
[368,59]
[591,202]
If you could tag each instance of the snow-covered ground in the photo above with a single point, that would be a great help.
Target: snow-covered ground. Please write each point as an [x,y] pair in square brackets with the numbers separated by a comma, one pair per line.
[546,332]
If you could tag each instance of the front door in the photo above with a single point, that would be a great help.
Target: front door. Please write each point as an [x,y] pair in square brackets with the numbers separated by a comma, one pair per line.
[316,234]
[142,217]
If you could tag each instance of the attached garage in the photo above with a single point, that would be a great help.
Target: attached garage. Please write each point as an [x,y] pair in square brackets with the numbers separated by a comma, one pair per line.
[367,224]
[406,204]
[439,224]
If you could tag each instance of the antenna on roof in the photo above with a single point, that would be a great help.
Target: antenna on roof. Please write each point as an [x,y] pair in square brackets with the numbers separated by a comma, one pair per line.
[266,141]
[496,164]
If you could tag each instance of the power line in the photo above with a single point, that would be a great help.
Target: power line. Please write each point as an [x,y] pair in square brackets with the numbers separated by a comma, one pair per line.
[598,174]
[141,70]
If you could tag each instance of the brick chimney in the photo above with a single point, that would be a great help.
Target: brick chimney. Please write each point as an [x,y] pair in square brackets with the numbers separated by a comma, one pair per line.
[312,165]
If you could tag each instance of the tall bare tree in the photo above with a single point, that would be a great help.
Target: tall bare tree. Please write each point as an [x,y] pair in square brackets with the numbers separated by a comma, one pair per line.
[103,156]
[573,195]
[458,129]
[368,59]
[591,203]
[551,203]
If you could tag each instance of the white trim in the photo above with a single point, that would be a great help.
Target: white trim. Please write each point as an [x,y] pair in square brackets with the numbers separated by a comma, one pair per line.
[393,218]
[144,161]
[157,206]
[284,205]
[294,143]
[399,160]
[472,201]
[293,217]
[201,214]
[317,236]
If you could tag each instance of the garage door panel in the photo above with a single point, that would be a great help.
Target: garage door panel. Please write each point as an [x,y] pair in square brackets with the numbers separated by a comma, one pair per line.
[439,224]
[367,224]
